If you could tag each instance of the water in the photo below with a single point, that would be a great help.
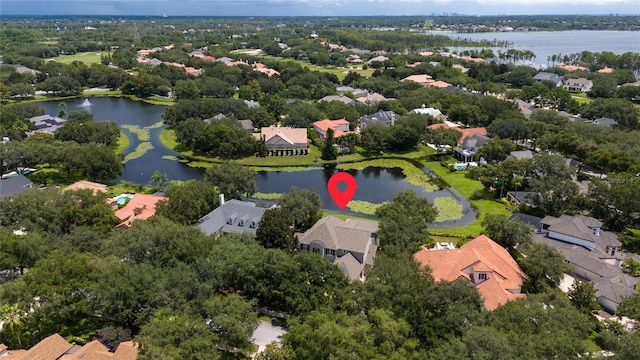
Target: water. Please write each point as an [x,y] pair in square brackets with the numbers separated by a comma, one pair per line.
[375,185]
[547,43]
[86,103]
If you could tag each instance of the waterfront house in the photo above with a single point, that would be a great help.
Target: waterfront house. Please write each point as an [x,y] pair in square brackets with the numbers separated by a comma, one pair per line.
[87,185]
[340,127]
[139,207]
[46,124]
[481,263]
[349,244]
[284,140]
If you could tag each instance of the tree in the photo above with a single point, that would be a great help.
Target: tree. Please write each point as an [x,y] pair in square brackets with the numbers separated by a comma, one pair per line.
[404,221]
[276,351]
[583,296]
[506,232]
[544,266]
[5,93]
[442,136]
[232,179]
[158,178]
[11,316]
[275,230]
[304,205]
[188,201]
[186,89]
[495,150]
[374,138]
[232,318]
[630,307]
[329,151]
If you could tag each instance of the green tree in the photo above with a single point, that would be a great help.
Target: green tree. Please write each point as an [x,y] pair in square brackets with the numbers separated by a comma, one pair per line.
[232,179]
[5,93]
[304,205]
[12,317]
[404,221]
[275,230]
[186,89]
[583,296]
[158,178]
[374,138]
[276,351]
[495,150]
[544,266]
[188,201]
[630,307]
[232,318]
[506,232]
[329,151]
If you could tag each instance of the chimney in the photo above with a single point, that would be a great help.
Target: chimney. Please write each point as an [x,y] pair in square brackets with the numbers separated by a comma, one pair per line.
[221,199]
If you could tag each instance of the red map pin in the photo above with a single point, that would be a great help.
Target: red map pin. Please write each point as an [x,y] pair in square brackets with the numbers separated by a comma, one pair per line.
[342,198]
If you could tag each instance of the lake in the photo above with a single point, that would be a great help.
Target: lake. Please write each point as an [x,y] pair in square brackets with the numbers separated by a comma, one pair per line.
[547,43]
[375,185]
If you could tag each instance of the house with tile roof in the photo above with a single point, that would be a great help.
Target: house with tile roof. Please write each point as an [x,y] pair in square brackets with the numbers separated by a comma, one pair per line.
[349,244]
[284,140]
[422,79]
[233,216]
[483,264]
[340,127]
[87,185]
[139,207]
[55,347]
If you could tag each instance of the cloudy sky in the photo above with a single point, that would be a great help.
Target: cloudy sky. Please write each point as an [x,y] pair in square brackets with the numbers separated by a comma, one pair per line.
[315,7]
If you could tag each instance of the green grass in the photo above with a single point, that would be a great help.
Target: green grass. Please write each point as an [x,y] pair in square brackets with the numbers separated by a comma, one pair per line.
[447,239]
[343,216]
[125,187]
[92,57]
[123,143]
[341,73]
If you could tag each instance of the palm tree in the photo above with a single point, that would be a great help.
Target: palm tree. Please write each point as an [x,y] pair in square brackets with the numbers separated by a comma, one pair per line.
[158,178]
[11,315]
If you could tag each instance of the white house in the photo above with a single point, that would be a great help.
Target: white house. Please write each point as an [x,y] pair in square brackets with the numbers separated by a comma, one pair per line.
[578,85]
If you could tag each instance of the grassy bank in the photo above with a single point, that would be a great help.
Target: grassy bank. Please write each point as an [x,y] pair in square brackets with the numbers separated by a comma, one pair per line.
[123,143]
[153,100]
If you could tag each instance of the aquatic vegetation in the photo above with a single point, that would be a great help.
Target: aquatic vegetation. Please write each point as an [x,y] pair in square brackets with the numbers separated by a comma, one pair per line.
[413,175]
[364,207]
[448,208]
[139,151]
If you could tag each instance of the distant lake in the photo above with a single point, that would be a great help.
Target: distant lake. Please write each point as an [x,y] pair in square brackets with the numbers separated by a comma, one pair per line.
[547,43]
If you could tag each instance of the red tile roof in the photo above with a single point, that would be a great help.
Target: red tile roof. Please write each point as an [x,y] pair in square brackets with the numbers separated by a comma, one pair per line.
[463,132]
[140,207]
[325,124]
[55,347]
[480,255]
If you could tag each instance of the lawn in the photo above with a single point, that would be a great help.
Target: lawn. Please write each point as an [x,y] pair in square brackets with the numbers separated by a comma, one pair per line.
[340,72]
[87,57]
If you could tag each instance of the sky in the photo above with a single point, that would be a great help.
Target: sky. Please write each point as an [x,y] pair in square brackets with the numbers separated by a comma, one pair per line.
[315,7]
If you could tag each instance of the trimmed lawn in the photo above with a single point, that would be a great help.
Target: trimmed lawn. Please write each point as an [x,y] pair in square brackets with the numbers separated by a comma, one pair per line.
[344,216]
[341,72]
[88,58]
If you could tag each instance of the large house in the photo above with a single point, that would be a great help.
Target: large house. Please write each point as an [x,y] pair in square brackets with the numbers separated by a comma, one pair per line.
[422,79]
[139,207]
[351,244]
[55,347]
[284,140]
[424,110]
[341,98]
[382,118]
[233,216]
[340,127]
[483,264]
[47,123]
[87,185]
[593,253]
[547,76]
[578,85]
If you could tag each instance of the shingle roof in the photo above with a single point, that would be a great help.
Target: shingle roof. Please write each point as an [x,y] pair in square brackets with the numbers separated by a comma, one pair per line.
[14,185]
[350,235]
[382,117]
[350,266]
[290,135]
[50,348]
[344,99]
[581,227]
[481,254]
[232,216]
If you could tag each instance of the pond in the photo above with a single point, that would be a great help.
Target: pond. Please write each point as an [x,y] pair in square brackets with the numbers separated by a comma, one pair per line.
[142,124]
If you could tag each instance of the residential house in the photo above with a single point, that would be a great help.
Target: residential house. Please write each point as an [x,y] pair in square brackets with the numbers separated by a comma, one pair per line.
[251,104]
[424,110]
[604,122]
[233,216]
[526,108]
[342,89]
[340,127]
[547,76]
[593,253]
[21,69]
[481,263]
[469,142]
[534,221]
[344,99]
[439,84]
[349,244]
[11,185]
[422,79]
[569,67]
[528,198]
[578,85]
[265,70]
[55,347]
[354,59]
[284,140]
[382,118]
[521,154]
[139,207]
[378,59]
[46,123]
[247,125]
[372,99]
[87,185]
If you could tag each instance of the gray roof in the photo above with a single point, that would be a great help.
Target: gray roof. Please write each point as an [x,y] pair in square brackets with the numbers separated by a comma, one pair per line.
[246,124]
[474,141]
[345,99]
[14,185]
[382,117]
[526,218]
[605,121]
[521,154]
[350,266]
[47,123]
[582,227]
[349,235]
[541,76]
[232,216]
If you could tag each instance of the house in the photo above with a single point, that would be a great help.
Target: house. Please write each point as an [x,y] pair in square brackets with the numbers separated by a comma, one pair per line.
[547,76]
[526,218]
[583,231]
[378,59]
[55,347]
[284,140]
[344,99]
[46,123]
[422,79]
[526,108]
[139,207]
[251,104]
[469,142]
[578,85]
[265,70]
[372,99]
[521,154]
[439,84]
[87,185]
[604,122]
[528,198]
[354,59]
[424,110]
[21,69]
[349,244]
[11,185]
[569,67]
[382,118]
[483,264]
[247,125]
[342,89]
[233,216]
[340,127]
